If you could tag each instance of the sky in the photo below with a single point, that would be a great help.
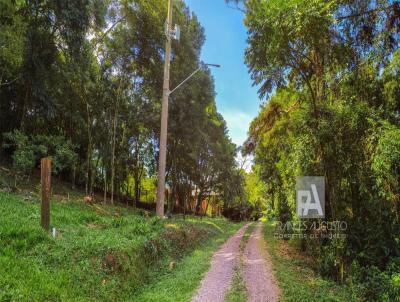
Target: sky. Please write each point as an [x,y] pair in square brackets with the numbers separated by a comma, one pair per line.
[225,44]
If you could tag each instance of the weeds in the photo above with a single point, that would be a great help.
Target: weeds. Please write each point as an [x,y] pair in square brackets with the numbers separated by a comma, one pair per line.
[296,279]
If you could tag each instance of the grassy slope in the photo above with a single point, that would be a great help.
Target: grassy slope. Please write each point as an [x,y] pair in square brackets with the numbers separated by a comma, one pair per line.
[180,284]
[296,280]
[101,253]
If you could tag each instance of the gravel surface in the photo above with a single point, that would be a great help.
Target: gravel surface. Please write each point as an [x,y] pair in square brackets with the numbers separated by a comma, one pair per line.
[218,279]
[258,276]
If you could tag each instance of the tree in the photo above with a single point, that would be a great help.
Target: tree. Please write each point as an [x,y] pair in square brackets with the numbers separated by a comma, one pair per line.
[90,72]
[327,68]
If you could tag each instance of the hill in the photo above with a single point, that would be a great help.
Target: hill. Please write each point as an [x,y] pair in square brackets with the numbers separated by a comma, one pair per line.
[99,252]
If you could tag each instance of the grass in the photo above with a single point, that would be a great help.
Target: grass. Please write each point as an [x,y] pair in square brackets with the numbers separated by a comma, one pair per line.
[246,237]
[296,279]
[238,291]
[101,253]
[181,283]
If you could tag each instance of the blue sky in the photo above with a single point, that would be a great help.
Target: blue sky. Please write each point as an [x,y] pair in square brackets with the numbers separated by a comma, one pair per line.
[225,44]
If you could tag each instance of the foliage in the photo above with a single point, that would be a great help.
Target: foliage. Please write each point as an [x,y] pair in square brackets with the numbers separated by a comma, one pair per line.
[255,193]
[330,70]
[90,74]
[24,157]
[295,276]
[29,150]
[375,284]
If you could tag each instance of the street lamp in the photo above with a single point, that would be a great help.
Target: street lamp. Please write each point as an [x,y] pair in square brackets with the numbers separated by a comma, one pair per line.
[202,66]
[163,134]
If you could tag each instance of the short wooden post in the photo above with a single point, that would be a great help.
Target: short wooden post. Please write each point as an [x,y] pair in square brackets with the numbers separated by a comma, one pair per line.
[46,184]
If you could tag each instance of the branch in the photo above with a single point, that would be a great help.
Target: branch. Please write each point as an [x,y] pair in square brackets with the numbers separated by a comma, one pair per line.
[9,82]
[236,8]
[359,14]
[101,38]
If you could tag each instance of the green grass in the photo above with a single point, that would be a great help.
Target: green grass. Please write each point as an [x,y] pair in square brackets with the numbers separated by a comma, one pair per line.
[246,237]
[298,282]
[101,253]
[180,284]
[238,291]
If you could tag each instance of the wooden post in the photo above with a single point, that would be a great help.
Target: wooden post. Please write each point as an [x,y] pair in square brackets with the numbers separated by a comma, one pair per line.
[46,184]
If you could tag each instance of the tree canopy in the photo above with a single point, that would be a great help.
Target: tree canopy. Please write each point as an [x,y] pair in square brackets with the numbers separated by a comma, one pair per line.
[81,81]
[329,71]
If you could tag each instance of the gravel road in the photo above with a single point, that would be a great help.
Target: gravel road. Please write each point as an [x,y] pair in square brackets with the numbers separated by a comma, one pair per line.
[218,279]
[258,276]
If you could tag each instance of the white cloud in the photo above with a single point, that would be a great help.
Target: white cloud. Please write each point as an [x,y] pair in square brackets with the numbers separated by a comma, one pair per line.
[238,124]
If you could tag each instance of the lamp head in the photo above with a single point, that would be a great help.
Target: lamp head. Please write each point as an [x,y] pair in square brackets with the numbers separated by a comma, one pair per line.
[203,65]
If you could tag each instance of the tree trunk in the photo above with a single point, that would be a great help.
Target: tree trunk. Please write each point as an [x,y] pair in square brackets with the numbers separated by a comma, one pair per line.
[89,150]
[198,203]
[73,177]
[184,208]
[137,190]
[105,186]
[94,175]
[208,203]
[113,152]
[15,181]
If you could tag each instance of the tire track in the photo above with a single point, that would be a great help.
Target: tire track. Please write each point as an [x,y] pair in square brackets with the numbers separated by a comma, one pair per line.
[219,277]
[258,275]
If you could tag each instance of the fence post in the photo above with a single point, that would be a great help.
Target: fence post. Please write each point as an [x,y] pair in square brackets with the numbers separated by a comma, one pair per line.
[45,165]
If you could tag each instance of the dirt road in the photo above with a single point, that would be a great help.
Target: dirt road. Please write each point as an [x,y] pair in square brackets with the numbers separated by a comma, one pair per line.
[217,280]
[257,270]
[258,276]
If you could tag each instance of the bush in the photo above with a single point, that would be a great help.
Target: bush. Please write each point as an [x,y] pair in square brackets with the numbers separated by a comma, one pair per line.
[24,157]
[28,150]
[376,285]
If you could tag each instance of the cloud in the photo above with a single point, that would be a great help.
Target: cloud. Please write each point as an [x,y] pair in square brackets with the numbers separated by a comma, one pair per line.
[238,124]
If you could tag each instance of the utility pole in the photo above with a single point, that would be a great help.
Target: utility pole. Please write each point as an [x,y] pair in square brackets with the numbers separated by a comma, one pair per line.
[164,119]
[171,33]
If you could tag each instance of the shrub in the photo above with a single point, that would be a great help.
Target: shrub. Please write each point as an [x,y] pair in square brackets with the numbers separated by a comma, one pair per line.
[375,284]
[24,157]
[28,150]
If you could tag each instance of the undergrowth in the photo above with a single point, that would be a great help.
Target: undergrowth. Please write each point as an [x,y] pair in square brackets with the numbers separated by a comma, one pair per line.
[295,276]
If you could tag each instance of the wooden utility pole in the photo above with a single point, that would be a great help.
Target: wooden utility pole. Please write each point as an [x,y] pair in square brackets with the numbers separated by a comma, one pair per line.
[46,184]
[164,118]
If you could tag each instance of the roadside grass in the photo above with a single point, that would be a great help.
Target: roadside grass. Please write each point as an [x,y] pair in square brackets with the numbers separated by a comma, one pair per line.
[238,291]
[100,253]
[298,282]
[246,236]
[181,283]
